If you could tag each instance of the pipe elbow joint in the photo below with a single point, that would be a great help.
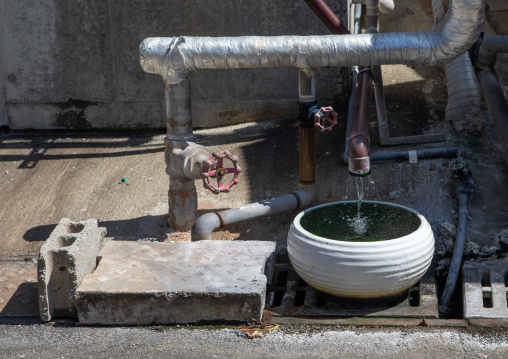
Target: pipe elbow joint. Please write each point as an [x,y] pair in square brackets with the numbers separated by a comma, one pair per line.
[160,56]
[204,226]
[305,195]
[359,156]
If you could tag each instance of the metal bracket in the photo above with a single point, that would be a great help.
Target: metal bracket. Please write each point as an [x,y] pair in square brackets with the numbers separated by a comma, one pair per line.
[382,118]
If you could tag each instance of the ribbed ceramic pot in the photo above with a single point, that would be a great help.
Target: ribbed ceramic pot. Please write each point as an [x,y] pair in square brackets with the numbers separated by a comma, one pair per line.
[361,269]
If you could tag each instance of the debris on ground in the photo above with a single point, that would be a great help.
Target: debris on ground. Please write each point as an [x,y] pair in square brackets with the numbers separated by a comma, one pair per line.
[123,180]
[255,329]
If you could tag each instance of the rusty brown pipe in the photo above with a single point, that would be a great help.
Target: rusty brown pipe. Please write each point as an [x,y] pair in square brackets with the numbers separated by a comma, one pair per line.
[327,16]
[307,153]
[359,140]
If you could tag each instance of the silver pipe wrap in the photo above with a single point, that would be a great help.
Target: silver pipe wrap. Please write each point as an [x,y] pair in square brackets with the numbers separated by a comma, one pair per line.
[173,58]
[464,96]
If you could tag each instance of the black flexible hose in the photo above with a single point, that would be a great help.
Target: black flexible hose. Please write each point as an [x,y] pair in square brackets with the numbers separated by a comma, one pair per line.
[463,191]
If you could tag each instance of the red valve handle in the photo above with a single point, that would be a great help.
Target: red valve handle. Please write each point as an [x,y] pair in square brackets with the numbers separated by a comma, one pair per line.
[213,167]
[325,119]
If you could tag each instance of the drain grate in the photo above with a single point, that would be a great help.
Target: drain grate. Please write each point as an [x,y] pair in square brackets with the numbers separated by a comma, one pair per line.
[289,295]
[485,289]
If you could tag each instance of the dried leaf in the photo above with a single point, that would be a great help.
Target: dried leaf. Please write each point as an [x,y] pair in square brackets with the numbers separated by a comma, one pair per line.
[252,334]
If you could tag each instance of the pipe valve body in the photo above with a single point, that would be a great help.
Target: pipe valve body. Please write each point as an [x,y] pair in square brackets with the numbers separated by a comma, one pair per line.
[213,167]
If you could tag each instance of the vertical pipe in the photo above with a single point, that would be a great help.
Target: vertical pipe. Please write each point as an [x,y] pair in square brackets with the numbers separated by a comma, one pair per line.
[496,102]
[183,203]
[307,153]
[182,196]
[178,111]
[307,86]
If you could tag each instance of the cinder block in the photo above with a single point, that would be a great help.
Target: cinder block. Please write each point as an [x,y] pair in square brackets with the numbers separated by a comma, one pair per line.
[170,283]
[485,289]
[67,256]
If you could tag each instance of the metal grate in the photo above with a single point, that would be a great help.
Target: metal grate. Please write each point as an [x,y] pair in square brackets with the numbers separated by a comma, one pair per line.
[485,289]
[289,295]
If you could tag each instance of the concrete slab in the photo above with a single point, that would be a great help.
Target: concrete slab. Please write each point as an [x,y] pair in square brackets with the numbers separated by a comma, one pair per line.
[485,289]
[69,254]
[162,283]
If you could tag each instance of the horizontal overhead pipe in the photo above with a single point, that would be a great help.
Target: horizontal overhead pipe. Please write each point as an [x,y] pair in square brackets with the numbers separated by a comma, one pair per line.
[175,57]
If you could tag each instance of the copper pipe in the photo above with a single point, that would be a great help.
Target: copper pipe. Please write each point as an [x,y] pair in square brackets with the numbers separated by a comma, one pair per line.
[307,153]
[359,140]
[327,16]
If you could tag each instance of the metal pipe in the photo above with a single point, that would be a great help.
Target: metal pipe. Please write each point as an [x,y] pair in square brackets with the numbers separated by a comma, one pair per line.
[359,140]
[423,154]
[354,79]
[307,153]
[178,113]
[464,97]
[174,58]
[205,225]
[463,191]
[306,86]
[327,16]
[496,102]
[490,47]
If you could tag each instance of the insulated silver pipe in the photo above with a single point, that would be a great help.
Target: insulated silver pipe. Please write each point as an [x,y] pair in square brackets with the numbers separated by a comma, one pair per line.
[464,97]
[175,57]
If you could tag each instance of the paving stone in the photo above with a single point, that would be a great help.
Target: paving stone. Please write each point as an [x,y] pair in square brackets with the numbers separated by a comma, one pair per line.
[18,289]
[485,289]
[67,256]
[170,283]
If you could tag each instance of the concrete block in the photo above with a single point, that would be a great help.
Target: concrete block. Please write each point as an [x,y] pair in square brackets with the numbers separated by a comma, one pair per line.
[169,283]
[67,256]
[485,289]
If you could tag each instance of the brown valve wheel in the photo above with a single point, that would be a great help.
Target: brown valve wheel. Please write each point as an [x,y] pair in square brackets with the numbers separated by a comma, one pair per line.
[325,119]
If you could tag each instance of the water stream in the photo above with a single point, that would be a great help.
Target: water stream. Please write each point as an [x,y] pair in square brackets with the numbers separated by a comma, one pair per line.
[359,223]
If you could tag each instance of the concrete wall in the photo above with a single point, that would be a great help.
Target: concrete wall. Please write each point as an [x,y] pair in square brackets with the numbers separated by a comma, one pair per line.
[75,64]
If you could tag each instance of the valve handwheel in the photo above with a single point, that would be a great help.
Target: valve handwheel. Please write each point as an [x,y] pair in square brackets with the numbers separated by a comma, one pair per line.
[213,167]
[325,119]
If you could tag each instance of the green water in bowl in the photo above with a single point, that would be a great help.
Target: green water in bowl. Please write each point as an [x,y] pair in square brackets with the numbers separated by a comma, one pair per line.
[374,222]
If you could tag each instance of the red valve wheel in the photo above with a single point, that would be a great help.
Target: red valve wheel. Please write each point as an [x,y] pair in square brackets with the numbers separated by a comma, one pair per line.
[325,119]
[213,167]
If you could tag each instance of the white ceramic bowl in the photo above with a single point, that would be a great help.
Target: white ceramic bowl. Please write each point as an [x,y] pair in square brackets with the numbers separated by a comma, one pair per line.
[361,269]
